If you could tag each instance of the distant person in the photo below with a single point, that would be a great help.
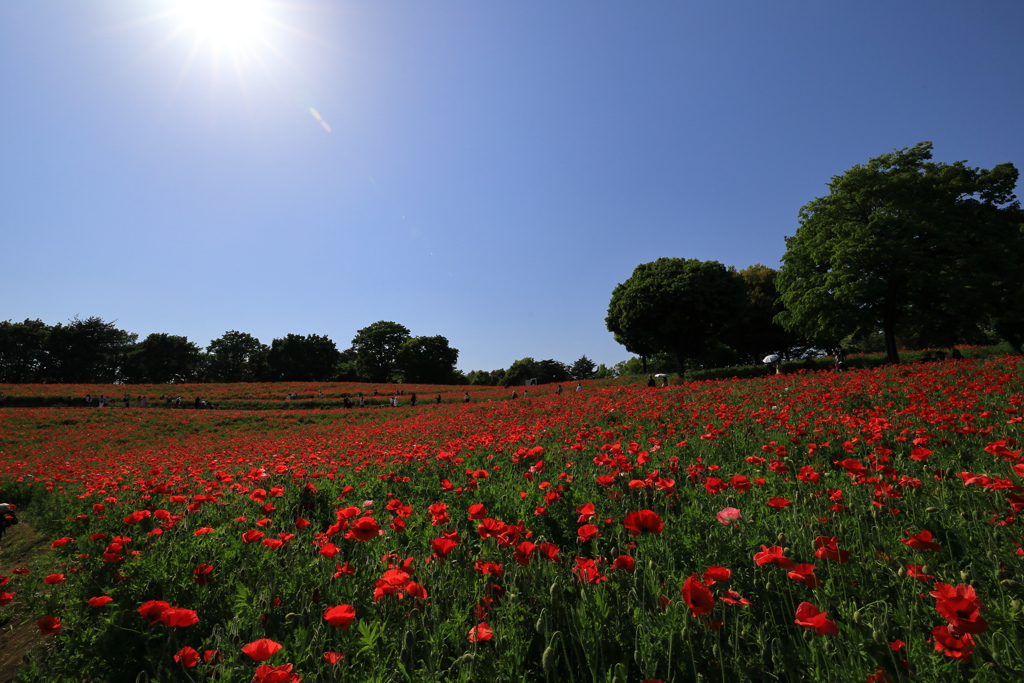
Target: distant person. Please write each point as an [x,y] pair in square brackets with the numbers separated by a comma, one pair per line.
[650,381]
[559,390]
[808,363]
[347,401]
[412,400]
[196,403]
[840,356]
[956,355]
[526,392]
[579,387]
[514,394]
[88,400]
[362,401]
[439,398]
[465,399]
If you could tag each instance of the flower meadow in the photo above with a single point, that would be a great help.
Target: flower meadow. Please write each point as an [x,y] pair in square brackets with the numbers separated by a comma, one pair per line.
[816,526]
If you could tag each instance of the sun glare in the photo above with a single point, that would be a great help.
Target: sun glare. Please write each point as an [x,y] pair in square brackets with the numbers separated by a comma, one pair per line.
[223,25]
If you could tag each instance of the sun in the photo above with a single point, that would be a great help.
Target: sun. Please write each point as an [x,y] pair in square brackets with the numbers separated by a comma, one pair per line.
[233,26]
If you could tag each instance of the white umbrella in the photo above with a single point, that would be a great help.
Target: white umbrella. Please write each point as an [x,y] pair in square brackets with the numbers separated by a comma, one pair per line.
[774,358]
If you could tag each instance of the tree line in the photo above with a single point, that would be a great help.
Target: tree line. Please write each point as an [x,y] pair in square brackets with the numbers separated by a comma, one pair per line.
[93,350]
[903,252]
[96,351]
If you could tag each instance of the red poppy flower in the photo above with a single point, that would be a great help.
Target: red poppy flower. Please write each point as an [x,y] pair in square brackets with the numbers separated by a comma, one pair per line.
[548,550]
[697,596]
[480,632]
[916,571]
[275,674]
[442,546]
[523,553]
[624,562]
[586,570]
[203,574]
[209,655]
[715,574]
[203,530]
[179,617]
[341,615]
[804,573]
[416,590]
[153,609]
[828,548]
[960,607]
[54,579]
[921,541]
[772,555]
[48,625]
[100,601]
[586,513]
[273,543]
[7,597]
[261,650]
[810,616]
[587,532]
[333,657]
[61,541]
[779,502]
[187,657]
[252,536]
[477,511]
[958,647]
[363,529]
[21,570]
[641,521]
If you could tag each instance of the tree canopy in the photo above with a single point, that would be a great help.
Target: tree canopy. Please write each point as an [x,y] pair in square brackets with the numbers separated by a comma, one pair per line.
[902,244]
[377,347]
[428,360]
[236,357]
[674,305]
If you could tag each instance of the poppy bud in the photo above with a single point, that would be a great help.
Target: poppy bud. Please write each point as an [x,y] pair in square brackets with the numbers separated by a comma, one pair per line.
[782,537]
[1012,585]
[931,509]
[963,575]
[547,659]
[856,617]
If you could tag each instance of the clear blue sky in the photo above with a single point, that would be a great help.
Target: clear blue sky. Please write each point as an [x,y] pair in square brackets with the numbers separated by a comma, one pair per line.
[489,170]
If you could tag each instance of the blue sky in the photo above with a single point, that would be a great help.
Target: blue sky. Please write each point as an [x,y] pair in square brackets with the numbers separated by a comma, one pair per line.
[491,171]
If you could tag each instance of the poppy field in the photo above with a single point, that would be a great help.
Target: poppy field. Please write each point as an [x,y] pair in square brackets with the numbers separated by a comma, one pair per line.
[856,526]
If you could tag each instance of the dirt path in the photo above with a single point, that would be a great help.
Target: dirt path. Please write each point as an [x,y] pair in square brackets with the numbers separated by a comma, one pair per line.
[21,546]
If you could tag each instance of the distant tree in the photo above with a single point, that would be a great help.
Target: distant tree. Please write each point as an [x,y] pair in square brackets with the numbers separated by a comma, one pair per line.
[754,332]
[603,372]
[902,245]
[346,370]
[427,360]
[297,358]
[163,358]
[491,378]
[674,305]
[87,351]
[659,362]
[521,370]
[236,357]
[377,346]
[22,351]
[549,371]
[582,368]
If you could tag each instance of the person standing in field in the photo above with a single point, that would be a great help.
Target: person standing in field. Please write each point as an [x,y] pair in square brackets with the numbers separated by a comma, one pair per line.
[412,400]
[579,387]
[439,398]
[559,390]
[465,399]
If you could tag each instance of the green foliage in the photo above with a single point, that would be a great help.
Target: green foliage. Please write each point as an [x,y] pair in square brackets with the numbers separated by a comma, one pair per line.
[754,332]
[236,357]
[303,359]
[21,350]
[427,360]
[906,246]
[582,368]
[83,351]
[676,306]
[163,358]
[377,347]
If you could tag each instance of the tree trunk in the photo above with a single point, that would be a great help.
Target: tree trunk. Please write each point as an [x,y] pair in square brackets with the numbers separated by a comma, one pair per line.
[643,359]
[889,330]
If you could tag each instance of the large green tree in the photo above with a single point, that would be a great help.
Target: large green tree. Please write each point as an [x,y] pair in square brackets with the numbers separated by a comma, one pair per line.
[297,358]
[236,357]
[163,358]
[428,360]
[377,348]
[673,305]
[22,350]
[902,244]
[87,351]
[755,333]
